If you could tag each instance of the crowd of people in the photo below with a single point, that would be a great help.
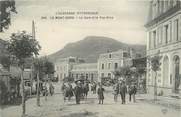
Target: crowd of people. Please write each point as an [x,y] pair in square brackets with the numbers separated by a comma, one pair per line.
[80,91]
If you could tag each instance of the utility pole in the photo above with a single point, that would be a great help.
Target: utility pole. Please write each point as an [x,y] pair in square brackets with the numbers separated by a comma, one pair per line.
[37,75]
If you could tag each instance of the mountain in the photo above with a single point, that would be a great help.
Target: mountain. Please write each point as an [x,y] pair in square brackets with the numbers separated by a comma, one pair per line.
[90,47]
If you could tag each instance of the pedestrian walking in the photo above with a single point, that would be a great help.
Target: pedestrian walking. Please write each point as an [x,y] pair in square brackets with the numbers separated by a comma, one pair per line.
[132,92]
[51,89]
[123,91]
[69,91]
[94,87]
[116,91]
[100,93]
[78,92]
[63,89]
[85,90]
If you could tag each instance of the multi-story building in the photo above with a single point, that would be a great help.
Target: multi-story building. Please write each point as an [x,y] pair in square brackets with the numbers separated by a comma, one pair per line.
[164,37]
[76,68]
[85,70]
[109,62]
[64,66]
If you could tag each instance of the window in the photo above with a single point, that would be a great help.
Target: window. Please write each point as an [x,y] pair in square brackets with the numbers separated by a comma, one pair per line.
[102,75]
[125,54]
[154,38]
[87,76]
[110,56]
[71,60]
[109,75]
[77,75]
[150,37]
[175,2]
[116,65]
[170,79]
[166,34]
[176,30]
[166,5]
[161,35]
[92,76]
[102,66]
[109,66]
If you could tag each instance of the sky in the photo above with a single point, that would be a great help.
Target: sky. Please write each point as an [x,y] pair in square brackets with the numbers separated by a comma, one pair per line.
[125,23]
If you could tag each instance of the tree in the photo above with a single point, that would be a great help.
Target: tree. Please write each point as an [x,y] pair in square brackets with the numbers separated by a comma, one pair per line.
[124,72]
[48,68]
[155,67]
[42,68]
[6,8]
[6,62]
[23,46]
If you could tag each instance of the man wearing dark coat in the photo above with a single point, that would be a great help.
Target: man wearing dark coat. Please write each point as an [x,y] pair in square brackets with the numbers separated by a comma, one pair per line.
[100,92]
[123,91]
[78,92]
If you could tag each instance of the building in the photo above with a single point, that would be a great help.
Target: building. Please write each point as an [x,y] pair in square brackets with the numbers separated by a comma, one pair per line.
[76,68]
[64,66]
[110,61]
[87,71]
[164,37]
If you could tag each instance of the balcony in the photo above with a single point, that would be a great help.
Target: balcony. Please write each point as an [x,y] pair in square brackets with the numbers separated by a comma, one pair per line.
[165,48]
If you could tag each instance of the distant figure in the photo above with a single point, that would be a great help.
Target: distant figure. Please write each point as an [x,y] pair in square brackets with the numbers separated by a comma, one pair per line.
[45,89]
[100,92]
[69,91]
[93,87]
[132,92]
[85,90]
[123,90]
[116,91]
[63,89]
[78,92]
[51,89]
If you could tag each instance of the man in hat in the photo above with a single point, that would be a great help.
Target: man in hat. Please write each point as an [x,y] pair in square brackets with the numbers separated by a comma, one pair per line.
[78,92]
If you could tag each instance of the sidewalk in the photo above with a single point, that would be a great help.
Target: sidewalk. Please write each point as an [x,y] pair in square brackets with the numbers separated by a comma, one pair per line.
[161,100]
[170,102]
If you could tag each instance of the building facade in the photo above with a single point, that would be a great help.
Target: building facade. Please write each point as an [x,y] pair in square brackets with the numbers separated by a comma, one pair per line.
[87,71]
[64,66]
[109,62]
[76,68]
[164,37]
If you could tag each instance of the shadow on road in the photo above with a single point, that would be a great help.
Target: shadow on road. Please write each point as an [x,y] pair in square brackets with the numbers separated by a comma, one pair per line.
[15,102]
[82,114]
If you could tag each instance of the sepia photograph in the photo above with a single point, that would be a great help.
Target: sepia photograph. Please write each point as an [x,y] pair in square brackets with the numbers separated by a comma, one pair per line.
[90,58]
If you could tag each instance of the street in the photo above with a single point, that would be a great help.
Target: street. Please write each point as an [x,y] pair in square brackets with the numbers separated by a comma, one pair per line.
[56,107]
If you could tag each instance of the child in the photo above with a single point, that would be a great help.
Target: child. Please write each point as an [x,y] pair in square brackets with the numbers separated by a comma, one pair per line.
[100,93]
